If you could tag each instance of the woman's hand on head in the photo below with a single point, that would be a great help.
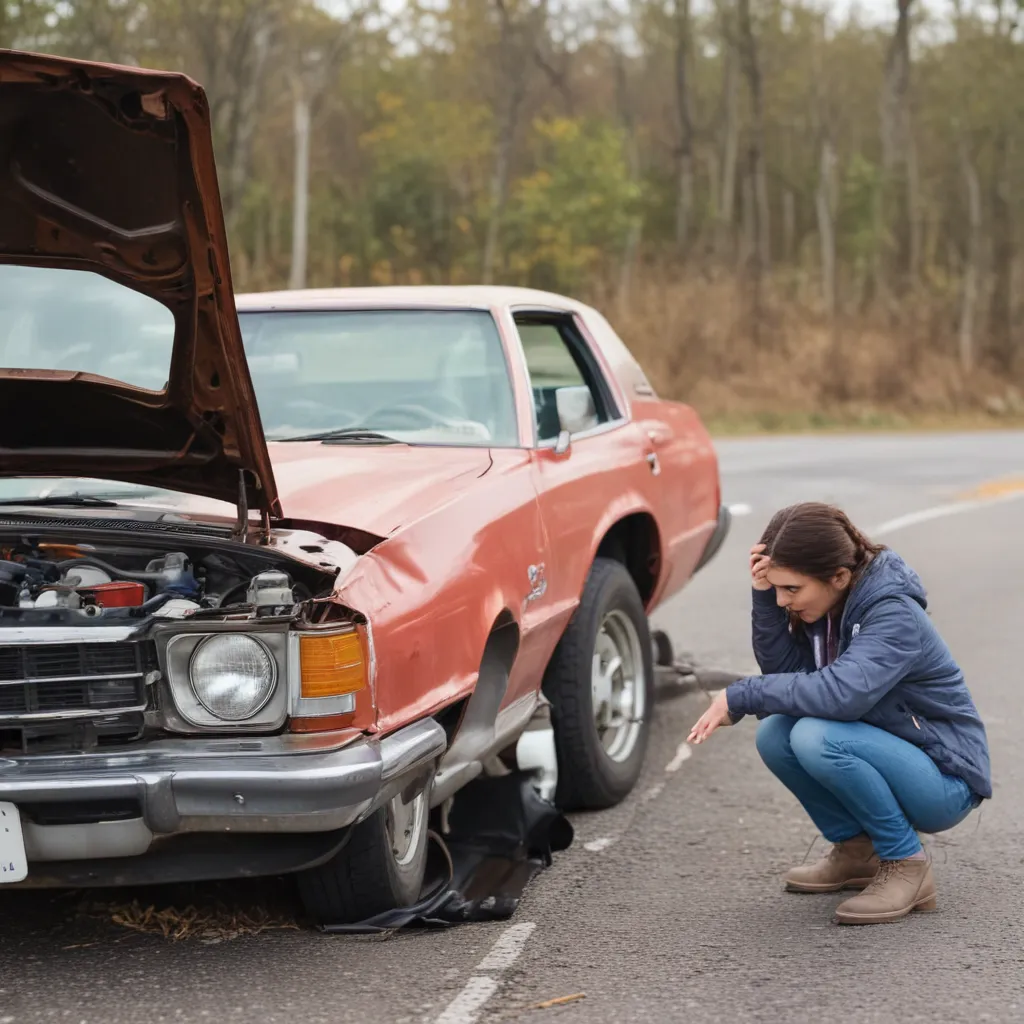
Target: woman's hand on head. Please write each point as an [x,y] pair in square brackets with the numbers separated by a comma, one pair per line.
[759,563]
[715,716]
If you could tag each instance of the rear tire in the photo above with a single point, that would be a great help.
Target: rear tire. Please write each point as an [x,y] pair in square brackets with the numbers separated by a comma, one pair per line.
[380,868]
[600,682]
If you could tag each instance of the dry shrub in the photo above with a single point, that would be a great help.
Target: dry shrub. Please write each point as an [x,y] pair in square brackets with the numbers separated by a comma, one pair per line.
[694,335]
[208,924]
[209,912]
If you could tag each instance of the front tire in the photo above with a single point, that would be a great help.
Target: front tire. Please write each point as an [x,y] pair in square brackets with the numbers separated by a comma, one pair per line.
[380,868]
[600,682]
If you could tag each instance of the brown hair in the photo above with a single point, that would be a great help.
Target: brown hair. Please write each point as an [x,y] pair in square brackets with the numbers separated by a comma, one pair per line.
[817,540]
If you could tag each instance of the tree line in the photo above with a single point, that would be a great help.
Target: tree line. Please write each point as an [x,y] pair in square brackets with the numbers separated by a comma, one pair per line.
[754,189]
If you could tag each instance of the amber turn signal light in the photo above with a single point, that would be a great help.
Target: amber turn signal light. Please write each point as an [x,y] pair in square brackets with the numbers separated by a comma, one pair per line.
[331,666]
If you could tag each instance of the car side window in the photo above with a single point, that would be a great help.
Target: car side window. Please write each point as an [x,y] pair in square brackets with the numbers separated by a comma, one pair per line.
[569,390]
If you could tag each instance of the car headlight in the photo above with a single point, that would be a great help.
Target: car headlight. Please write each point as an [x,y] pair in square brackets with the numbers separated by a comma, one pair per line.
[232,676]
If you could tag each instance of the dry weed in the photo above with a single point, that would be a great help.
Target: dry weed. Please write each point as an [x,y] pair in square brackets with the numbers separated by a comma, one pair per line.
[693,334]
[213,924]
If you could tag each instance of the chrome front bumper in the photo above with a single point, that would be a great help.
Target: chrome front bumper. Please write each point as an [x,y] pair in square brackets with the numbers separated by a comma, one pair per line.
[281,784]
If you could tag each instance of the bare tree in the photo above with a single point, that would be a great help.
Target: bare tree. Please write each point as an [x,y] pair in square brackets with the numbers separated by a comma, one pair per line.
[516,51]
[898,200]
[226,45]
[824,202]
[322,45]
[730,135]
[825,199]
[1004,252]
[969,299]
[556,61]
[684,120]
[788,222]
[750,60]
[628,119]
[755,195]
[302,123]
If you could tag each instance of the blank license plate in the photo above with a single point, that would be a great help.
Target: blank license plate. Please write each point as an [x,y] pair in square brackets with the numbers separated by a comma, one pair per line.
[13,864]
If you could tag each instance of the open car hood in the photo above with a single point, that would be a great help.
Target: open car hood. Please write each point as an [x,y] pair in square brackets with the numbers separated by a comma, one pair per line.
[111,170]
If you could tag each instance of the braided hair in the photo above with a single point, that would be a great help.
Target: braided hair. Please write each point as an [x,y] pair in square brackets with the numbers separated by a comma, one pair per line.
[817,540]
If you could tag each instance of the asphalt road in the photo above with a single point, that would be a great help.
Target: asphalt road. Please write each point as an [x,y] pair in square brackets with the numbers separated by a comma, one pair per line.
[669,907]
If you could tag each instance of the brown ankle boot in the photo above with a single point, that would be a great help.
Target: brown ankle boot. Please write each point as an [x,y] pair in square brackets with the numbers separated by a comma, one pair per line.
[899,887]
[848,865]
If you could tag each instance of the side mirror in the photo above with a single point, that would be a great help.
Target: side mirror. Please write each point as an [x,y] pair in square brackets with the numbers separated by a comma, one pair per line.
[576,411]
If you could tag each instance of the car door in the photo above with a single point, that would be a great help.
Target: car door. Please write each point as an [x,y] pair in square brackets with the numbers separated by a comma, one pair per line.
[604,470]
[688,494]
[518,552]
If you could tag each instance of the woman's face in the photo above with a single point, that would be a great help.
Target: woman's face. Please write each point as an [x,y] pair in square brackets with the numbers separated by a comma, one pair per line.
[805,596]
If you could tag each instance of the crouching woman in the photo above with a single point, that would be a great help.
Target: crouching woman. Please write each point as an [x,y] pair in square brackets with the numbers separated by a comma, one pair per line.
[866,717]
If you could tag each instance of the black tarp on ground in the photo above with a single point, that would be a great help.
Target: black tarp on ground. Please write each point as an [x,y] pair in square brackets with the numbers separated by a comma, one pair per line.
[501,834]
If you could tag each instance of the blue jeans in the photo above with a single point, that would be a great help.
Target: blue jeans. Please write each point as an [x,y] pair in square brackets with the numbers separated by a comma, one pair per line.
[853,778]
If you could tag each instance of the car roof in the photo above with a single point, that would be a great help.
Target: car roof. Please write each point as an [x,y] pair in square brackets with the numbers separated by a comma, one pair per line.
[406,296]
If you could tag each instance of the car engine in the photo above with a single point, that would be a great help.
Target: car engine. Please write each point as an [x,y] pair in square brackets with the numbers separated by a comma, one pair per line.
[122,584]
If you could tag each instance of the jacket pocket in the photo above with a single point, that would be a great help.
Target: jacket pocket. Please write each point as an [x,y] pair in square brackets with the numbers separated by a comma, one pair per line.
[914,718]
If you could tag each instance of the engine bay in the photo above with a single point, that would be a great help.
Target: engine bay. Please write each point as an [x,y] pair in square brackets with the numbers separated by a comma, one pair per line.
[43,582]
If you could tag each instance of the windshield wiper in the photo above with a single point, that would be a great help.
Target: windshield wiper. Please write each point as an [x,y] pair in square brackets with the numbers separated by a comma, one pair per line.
[345,434]
[81,500]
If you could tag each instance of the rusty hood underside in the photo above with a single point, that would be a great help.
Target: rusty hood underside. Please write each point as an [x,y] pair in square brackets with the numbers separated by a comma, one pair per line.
[111,170]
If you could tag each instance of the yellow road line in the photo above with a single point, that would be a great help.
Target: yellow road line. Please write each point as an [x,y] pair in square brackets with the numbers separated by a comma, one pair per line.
[989,489]
[1007,488]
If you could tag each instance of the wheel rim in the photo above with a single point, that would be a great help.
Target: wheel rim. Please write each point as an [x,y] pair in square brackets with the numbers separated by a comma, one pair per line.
[405,823]
[618,686]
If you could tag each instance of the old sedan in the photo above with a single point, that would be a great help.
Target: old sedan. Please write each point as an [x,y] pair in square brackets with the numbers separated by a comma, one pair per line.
[282,573]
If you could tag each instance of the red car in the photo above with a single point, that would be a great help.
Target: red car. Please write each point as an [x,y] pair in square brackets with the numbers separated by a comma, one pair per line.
[281,574]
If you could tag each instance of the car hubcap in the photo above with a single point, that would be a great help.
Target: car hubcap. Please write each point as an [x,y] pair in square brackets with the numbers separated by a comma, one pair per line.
[618,686]
[405,824]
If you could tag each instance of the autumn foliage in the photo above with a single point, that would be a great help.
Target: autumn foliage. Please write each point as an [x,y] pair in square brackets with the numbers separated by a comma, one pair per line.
[792,219]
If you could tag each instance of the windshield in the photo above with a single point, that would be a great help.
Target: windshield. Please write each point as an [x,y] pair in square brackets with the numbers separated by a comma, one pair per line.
[55,319]
[421,376]
[32,488]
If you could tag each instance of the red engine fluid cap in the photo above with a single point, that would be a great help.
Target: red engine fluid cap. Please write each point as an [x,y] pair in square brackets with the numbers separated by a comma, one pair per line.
[119,594]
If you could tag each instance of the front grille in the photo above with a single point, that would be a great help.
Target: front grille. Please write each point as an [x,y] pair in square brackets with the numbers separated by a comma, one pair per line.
[40,682]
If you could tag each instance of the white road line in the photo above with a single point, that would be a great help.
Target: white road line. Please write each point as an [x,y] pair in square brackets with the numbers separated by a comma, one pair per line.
[506,950]
[940,511]
[683,753]
[597,845]
[740,508]
[466,1006]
